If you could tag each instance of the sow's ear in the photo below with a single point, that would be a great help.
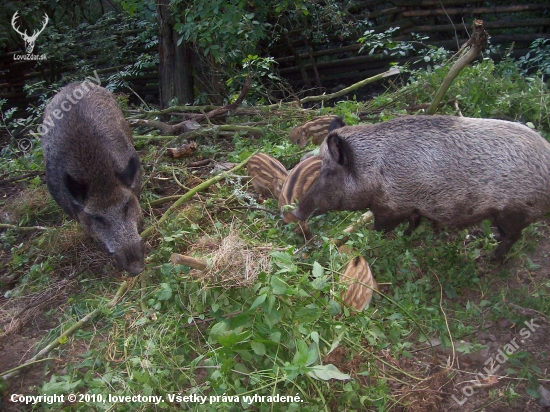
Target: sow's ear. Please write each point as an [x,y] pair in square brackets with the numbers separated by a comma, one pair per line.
[78,191]
[338,150]
[336,123]
[127,175]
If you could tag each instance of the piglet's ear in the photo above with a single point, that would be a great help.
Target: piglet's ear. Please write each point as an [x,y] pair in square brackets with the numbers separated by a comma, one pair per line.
[128,175]
[338,149]
[79,191]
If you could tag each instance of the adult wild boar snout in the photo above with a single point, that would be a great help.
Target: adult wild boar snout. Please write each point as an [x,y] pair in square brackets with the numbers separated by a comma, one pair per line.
[307,207]
[130,257]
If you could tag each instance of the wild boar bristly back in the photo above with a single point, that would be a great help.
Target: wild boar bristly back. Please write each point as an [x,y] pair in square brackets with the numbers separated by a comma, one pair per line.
[93,171]
[452,170]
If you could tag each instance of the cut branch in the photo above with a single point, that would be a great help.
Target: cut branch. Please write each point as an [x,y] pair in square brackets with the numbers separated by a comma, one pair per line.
[165,127]
[188,125]
[477,43]
[349,89]
[178,128]
[215,129]
[186,149]
[204,185]
[23,228]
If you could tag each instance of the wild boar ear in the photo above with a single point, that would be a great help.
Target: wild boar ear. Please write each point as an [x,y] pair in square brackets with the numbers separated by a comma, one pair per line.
[338,149]
[79,191]
[336,123]
[127,175]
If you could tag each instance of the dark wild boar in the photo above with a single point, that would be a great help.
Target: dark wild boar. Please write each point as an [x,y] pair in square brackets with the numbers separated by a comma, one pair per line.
[93,171]
[456,171]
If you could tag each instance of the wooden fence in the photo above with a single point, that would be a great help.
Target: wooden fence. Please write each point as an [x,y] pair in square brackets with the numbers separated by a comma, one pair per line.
[446,22]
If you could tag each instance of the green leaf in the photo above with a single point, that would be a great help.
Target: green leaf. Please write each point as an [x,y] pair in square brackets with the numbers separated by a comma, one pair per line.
[231,338]
[317,270]
[320,283]
[532,265]
[314,337]
[275,337]
[308,314]
[258,348]
[327,372]
[278,285]
[301,355]
[165,292]
[218,329]
[258,301]
[532,393]
[312,355]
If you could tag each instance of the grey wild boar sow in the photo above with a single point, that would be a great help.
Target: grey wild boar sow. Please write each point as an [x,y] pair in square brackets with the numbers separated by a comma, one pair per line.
[455,171]
[93,171]
[315,130]
[268,174]
[297,183]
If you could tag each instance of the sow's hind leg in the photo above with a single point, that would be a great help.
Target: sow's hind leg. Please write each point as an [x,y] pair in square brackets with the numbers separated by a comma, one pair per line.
[414,221]
[386,223]
[509,225]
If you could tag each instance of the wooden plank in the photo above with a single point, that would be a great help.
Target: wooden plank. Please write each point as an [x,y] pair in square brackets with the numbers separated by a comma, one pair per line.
[476,10]
[488,25]
[374,59]
[434,3]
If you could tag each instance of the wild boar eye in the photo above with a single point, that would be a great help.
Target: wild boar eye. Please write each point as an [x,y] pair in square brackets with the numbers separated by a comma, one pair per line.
[99,221]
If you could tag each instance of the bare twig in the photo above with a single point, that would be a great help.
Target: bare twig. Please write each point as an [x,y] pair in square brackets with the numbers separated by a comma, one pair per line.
[23,228]
[477,44]
[199,163]
[21,177]
[349,89]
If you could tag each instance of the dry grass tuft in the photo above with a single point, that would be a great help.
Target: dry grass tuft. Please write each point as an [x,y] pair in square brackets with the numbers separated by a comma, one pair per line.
[77,250]
[64,240]
[232,262]
[29,202]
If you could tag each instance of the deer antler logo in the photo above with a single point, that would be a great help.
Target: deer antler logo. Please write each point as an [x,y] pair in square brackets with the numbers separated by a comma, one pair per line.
[29,40]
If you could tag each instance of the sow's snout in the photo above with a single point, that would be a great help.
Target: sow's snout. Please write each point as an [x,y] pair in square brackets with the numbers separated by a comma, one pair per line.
[118,231]
[130,258]
[308,207]
[299,214]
